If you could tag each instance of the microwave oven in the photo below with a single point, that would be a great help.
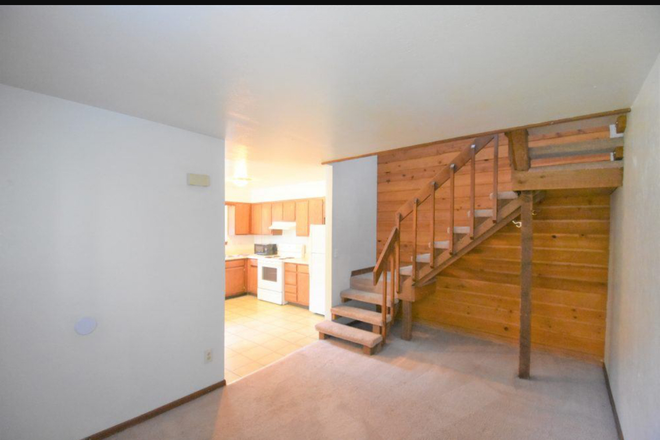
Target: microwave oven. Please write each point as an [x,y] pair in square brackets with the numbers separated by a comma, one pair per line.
[265,249]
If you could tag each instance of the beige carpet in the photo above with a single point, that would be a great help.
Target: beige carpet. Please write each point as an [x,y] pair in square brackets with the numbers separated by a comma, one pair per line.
[439,386]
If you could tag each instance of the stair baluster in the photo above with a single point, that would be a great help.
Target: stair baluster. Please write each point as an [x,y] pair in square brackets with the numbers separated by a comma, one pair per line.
[495,178]
[383,328]
[452,172]
[432,244]
[414,249]
[473,216]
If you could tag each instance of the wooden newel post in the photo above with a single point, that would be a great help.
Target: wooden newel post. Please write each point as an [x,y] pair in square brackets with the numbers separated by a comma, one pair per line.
[526,285]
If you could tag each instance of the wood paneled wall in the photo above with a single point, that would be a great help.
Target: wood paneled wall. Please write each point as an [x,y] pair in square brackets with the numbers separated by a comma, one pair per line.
[480,293]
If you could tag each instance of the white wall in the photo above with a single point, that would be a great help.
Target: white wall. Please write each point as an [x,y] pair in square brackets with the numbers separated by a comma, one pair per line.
[96,220]
[351,215]
[632,353]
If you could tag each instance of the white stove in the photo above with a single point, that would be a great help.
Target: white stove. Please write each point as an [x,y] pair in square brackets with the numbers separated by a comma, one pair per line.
[270,285]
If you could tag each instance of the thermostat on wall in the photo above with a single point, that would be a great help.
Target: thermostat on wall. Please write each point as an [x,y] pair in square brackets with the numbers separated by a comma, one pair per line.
[199,179]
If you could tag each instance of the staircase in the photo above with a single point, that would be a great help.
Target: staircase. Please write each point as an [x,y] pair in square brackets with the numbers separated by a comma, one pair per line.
[374,299]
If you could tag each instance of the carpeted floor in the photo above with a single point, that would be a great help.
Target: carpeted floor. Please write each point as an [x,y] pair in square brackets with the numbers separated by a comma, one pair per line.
[440,385]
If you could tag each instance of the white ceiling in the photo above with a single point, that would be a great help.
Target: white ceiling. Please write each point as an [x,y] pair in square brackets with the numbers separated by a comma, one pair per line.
[288,87]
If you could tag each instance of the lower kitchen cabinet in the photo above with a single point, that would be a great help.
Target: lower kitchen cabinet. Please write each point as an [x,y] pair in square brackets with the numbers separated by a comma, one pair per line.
[252,276]
[234,277]
[296,283]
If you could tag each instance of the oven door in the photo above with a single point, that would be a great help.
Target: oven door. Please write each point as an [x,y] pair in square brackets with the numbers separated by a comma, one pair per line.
[270,275]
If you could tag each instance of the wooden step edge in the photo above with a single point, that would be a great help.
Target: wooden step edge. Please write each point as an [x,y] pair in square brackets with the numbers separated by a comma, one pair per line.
[348,333]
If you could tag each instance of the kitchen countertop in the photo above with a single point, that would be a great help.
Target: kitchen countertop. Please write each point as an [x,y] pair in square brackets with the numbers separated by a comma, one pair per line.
[254,257]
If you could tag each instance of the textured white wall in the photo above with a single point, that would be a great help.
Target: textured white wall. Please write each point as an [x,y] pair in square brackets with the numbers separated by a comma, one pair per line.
[353,196]
[633,329]
[96,220]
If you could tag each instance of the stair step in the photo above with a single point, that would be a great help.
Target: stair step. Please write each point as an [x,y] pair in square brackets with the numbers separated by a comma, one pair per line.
[505,195]
[441,244]
[480,213]
[424,258]
[365,297]
[460,230]
[348,333]
[358,314]
[406,270]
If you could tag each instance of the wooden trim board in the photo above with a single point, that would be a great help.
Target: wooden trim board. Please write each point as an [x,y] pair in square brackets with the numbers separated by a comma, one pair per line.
[155,412]
[611,396]
[487,133]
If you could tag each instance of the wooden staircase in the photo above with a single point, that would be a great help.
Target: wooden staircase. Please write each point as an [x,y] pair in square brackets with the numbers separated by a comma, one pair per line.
[374,299]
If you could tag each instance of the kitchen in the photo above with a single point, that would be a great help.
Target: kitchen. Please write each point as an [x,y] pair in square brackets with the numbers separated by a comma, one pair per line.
[274,277]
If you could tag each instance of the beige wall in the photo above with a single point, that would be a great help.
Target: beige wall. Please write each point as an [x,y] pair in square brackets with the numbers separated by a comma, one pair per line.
[632,352]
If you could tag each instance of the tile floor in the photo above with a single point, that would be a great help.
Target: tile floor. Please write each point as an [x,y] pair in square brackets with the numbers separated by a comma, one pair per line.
[258,333]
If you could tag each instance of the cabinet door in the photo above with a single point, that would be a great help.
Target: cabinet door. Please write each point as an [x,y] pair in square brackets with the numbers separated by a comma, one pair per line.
[303,288]
[316,212]
[252,281]
[266,218]
[302,218]
[277,211]
[289,211]
[255,228]
[242,224]
[235,279]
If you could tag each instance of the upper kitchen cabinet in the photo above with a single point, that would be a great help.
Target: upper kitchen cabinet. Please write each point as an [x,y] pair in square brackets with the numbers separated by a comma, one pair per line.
[242,217]
[267,220]
[316,214]
[289,211]
[255,228]
[302,218]
[276,210]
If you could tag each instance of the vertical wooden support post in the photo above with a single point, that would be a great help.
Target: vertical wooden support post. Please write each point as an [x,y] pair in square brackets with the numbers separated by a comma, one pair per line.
[496,153]
[397,256]
[473,204]
[452,172]
[414,244]
[432,246]
[406,331]
[392,290]
[383,311]
[526,285]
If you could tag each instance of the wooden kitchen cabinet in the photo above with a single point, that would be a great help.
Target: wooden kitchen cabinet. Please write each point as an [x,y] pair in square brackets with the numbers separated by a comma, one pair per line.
[242,219]
[234,277]
[316,215]
[255,228]
[267,220]
[276,210]
[296,283]
[289,211]
[302,218]
[252,276]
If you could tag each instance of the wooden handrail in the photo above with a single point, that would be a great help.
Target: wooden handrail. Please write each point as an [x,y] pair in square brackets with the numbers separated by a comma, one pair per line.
[443,175]
[387,251]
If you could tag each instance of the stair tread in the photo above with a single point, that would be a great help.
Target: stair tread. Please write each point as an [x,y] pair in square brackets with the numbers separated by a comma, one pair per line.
[405,270]
[364,296]
[461,229]
[444,244]
[505,195]
[348,311]
[483,213]
[348,333]
[424,258]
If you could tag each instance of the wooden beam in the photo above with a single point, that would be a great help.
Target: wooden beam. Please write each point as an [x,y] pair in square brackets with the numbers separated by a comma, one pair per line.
[518,149]
[621,123]
[572,176]
[618,153]
[486,133]
[526,243]
[587,148]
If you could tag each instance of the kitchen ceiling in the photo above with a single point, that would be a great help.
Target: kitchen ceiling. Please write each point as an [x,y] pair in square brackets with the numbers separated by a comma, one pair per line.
[289,87]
